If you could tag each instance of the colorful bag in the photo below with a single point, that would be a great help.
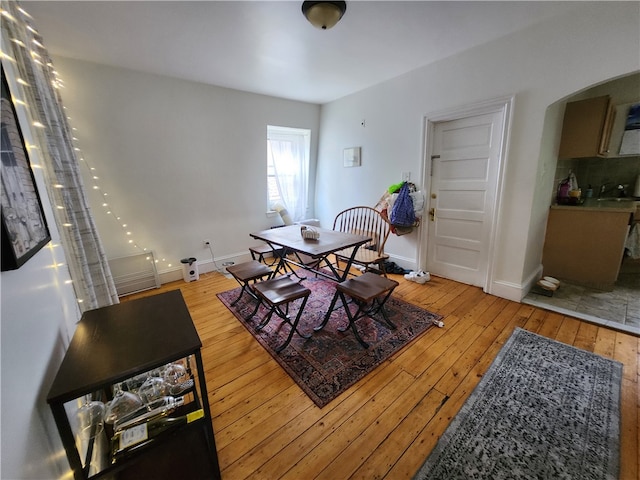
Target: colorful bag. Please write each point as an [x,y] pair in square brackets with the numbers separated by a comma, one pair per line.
[402,212]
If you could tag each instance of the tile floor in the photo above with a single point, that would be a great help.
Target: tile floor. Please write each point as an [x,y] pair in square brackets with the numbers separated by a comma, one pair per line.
[619,309]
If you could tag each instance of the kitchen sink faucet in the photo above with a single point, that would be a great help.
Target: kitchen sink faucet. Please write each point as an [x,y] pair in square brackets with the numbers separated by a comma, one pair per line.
[619,187]
[603,188]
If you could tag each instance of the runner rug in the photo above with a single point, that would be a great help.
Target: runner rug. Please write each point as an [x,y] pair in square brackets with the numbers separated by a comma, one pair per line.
[543,410]
[331,361]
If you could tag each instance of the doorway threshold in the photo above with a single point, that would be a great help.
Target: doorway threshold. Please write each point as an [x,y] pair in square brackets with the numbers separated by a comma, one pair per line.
[618,310]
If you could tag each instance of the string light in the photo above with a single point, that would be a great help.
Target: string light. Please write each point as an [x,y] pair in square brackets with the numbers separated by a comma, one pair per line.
[25,13]
[95,186]
[7,15]
[105,204]
[59,83]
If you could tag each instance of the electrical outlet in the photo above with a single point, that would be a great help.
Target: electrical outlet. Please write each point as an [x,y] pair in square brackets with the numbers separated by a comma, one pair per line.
[406,176]
[206,243]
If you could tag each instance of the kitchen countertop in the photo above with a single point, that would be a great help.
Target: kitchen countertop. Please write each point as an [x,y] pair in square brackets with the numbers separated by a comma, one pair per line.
[603,205]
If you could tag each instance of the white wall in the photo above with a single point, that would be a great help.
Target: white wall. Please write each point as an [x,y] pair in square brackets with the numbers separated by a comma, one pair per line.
[38,316]
[540,65]
[181,162]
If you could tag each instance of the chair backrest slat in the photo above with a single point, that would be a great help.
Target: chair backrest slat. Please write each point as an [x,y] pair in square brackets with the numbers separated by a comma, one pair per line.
[364,220]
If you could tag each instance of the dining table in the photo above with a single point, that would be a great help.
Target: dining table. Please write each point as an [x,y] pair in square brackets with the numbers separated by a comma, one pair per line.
[311,254]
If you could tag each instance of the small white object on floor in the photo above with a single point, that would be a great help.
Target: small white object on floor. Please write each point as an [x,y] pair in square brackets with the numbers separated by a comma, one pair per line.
[552,280]
[548,285]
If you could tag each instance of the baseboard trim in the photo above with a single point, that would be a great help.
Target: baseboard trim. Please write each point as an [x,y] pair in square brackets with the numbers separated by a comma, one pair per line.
[510,291]
[204,266]
[515,291]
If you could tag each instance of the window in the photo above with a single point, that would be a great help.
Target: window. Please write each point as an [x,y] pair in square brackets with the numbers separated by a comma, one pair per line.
[288,170]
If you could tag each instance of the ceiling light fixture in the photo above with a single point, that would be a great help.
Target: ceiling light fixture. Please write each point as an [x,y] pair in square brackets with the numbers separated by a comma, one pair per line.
[323,14]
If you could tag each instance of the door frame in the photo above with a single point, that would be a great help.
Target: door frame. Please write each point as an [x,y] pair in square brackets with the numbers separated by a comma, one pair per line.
[501,104]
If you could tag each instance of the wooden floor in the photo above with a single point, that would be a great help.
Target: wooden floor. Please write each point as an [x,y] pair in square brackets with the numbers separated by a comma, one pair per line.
[386,424]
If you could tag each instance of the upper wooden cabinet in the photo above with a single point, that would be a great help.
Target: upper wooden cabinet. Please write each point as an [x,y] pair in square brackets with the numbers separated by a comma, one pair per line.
[586,130]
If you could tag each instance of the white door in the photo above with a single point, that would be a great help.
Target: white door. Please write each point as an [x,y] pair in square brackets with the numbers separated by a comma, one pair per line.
[465,164]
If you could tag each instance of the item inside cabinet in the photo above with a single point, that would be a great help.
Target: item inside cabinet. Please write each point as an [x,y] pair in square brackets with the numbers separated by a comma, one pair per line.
[625,135]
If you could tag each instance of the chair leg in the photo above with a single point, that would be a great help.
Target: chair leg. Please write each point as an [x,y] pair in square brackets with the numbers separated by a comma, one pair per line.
[377,305]
[364,309]
[294,327]
[255,310]
[329,312]
[352,319]
[266,320]
[278,311]
[382,268]
[244,287]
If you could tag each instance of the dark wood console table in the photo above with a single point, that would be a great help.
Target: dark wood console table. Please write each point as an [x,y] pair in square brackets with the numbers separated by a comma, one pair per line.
[113,344]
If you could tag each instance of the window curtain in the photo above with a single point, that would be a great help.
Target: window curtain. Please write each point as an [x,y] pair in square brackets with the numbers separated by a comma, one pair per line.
[86,259]
[291,171]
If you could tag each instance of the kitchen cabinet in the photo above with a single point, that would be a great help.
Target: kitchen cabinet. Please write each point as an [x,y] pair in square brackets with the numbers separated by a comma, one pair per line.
[585,246]
[586,128]
[110,347]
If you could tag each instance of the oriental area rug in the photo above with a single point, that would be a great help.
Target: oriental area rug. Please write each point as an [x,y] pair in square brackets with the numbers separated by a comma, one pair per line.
[331,361]
[543,410]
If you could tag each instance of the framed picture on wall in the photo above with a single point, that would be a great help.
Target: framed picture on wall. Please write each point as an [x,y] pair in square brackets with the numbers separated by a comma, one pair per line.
[24,227]
[351,157]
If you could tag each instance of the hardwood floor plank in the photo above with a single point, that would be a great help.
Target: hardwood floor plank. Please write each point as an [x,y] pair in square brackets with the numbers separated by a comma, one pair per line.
[485,308]
[243,402]
[605,342]
[462,356]
[535,321]
[442,341]
[295,439]
[382,458]
[384,426]
[551,325]
[249,431]
[329,440]
[586,337]
[568,330]
[626,351]
[357,428]
[358,451]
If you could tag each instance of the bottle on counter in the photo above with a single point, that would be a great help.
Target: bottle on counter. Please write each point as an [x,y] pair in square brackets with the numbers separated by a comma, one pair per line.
[589,192]
[563,191]
[128,438]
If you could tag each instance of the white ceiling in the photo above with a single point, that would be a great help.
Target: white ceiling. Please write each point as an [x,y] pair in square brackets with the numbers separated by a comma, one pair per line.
[268,47]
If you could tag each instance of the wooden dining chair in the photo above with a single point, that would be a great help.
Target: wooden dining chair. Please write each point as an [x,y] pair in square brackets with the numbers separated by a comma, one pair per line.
[364,221]
[369,292]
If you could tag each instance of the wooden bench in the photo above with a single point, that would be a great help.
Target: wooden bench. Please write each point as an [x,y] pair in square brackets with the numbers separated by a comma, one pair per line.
[364,221]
